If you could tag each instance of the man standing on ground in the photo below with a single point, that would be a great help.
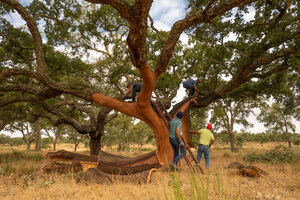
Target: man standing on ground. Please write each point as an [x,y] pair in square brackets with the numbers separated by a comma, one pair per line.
[175,139]
[134,87]
[205,141]
[191,86]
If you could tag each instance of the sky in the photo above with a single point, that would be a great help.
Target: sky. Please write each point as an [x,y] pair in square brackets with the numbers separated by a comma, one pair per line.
[164,14]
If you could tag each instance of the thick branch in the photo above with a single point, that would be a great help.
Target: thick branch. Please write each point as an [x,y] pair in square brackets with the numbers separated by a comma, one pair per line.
[245,72]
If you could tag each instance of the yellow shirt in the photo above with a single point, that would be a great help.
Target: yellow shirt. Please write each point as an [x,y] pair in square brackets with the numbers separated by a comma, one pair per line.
[205,136]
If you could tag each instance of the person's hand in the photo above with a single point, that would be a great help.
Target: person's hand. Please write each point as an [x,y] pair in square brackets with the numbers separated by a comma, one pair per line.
[181,143]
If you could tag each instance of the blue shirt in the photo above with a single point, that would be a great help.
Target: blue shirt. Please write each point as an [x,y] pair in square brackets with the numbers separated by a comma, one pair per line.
[189,83]
[173,125]
[136,84]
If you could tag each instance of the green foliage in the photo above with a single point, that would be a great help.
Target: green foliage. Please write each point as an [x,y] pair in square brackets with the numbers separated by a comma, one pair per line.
[46,143]
[278,117]
[239,141]
[280,154]
[4,139]
[296,141]
[17,141]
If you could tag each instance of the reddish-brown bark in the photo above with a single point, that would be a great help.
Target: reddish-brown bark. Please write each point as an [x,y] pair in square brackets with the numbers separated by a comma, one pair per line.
[143,110]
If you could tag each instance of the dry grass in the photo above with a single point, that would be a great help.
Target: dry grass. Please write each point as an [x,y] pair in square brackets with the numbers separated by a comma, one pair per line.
[283,181]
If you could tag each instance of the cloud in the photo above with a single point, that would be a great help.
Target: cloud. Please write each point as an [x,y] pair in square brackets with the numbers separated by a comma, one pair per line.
[165,13]
[25,2]
[15,19]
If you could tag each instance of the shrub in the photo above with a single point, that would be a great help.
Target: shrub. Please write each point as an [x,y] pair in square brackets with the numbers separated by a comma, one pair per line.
[4,139]
[17,141]
[296,142]
[279,154]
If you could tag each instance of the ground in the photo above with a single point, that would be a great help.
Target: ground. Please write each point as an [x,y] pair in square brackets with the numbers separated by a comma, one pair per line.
[26,179]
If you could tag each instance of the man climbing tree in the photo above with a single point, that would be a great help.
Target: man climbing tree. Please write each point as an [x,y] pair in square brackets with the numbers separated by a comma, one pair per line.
[134,88]
[191,86]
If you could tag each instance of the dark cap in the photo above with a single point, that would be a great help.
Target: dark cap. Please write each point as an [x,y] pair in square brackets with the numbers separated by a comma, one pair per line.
[179,115]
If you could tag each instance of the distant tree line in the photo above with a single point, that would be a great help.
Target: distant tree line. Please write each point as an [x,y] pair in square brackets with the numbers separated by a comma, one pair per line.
[123,132]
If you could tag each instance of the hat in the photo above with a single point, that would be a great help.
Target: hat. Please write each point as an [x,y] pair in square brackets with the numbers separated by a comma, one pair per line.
[209,126]
[179,115]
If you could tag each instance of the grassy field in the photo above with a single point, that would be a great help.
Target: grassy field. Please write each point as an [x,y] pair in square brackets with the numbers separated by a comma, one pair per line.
[22,177]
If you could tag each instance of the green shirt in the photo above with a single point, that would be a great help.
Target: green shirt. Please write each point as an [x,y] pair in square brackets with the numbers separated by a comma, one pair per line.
[205,136]
[173,125]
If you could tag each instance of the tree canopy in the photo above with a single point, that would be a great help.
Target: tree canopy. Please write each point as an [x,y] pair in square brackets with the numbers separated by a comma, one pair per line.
[263,50]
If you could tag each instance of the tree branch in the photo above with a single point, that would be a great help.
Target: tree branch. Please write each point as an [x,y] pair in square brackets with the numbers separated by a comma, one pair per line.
[189,21]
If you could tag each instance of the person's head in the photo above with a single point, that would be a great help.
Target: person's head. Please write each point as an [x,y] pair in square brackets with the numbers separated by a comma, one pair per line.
[198,81]
[179,115]
[209,126]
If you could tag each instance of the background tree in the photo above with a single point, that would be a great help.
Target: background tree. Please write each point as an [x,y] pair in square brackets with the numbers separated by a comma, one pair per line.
[4,139]
[142,134]
[296,141]
[228,112]
[119,131]
[279,118]
[26,129]
[198,121]
[38,142]
[74,138]
[54,133]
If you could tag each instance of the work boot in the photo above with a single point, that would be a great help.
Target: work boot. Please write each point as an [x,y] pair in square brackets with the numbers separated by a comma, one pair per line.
[173,166]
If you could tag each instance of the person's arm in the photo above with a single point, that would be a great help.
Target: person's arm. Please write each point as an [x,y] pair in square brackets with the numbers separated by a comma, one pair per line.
[129,90]
[211,142]
[194,132]
[181,143]
[196,88]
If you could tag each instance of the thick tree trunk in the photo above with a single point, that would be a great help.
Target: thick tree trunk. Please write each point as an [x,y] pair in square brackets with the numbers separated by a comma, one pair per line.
[95,144]
[38,145]
[290,144]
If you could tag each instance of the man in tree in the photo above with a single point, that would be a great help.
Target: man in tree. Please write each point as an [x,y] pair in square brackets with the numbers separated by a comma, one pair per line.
[205,141]
[191,86]
[175,139]
[134,88]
